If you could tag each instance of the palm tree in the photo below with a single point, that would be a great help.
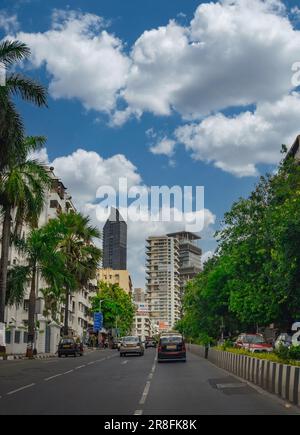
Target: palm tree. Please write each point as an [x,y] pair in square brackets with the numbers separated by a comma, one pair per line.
[41,257]
[11,124]
[81,255]
[22,191]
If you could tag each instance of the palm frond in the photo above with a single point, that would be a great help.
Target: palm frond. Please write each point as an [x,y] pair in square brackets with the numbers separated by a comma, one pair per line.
[27,89]
[18,279]
[13,51]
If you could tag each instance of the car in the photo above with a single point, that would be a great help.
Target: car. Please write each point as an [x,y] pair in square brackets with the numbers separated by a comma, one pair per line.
[150,342]
[253,343]
[283,339]
[171,348]
[68,346]
[131,345]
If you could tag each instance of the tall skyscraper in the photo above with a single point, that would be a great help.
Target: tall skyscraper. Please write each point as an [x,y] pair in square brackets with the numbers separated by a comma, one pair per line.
[163,285]
[115,242]
[189,257]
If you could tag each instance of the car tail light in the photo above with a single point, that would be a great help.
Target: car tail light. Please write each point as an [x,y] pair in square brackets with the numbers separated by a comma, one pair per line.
[159,348]
[183,347]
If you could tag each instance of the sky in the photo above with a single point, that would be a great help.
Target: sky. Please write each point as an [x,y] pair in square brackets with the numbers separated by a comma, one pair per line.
[162,92]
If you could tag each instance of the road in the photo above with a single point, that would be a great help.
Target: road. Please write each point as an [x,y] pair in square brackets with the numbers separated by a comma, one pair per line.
[103,383]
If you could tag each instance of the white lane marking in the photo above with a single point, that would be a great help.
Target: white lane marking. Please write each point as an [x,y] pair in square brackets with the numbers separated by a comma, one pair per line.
[79,367]
[20,389]
[100,360]
[90,363]
[69,371]
[52,377]
[138,412]
[150,376]
[229,385]
[145,393]
[124,362]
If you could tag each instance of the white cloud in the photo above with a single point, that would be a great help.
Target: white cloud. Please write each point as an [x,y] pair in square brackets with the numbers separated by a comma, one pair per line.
[165,147]
[83,60]
[9,23]
[40,155]
[84,171]
[234,53]
[237,144]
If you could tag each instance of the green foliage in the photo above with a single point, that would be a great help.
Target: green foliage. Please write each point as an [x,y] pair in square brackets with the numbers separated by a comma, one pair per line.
[116,306]
[254,278]
[286,354]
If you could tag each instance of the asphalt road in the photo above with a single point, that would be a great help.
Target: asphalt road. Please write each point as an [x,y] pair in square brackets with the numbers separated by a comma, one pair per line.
[103,383]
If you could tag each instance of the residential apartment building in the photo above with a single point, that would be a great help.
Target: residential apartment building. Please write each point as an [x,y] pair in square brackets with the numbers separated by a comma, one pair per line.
[115,242]
[120,277]
[163,281]
[142,326]
[189,257]
[80,318]
[139,295]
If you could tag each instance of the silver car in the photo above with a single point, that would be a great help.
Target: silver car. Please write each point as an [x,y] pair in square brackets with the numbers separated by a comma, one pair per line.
[131,345]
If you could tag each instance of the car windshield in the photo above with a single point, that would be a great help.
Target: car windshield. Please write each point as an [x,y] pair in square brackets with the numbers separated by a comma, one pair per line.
[256,339]
[130,339]
[67,341]
[172,339]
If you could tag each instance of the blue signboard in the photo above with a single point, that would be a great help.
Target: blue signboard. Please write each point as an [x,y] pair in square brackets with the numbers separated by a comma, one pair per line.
[98,322]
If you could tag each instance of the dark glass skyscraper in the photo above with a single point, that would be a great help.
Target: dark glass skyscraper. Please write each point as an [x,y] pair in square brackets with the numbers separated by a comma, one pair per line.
[115,242]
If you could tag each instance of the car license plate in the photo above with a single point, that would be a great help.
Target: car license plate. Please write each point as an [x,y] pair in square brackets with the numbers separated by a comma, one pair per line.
[67,346]
[172,347]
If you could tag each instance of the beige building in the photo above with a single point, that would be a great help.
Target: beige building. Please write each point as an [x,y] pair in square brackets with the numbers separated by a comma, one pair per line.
[120,277]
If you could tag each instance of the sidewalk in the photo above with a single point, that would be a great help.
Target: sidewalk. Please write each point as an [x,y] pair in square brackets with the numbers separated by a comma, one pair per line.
[41,355]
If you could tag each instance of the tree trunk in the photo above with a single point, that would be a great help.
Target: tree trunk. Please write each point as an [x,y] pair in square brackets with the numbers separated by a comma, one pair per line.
[66,322]
[4,260]
[31,315]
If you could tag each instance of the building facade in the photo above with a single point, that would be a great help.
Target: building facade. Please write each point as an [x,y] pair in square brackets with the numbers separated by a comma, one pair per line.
[120,277]
[115,242]
[189,257]
[163,281]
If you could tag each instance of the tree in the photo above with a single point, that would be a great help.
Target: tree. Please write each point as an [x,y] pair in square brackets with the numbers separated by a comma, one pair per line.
[117,307]
[40,257]
[22,191]
[81,256]
[11,125]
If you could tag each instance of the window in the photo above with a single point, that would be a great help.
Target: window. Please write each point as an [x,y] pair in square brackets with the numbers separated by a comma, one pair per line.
[25,337]
[17,336]
[7,336]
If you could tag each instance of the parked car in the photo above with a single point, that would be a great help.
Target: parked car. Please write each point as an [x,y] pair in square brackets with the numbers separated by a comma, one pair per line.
[283,339]
[68,346]
[170,348]
[150,342]
[131,345]
[253,343]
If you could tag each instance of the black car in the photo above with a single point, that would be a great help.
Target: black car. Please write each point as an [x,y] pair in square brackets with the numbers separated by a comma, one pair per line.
[171,348]
[68,346]
[150,342]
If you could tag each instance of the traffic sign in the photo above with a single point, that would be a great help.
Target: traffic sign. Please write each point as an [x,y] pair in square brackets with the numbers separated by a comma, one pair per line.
[98,322]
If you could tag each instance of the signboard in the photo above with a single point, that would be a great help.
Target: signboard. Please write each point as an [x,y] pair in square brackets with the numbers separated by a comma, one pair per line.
[142,309]
[98,321]
[2,334]
[163,326]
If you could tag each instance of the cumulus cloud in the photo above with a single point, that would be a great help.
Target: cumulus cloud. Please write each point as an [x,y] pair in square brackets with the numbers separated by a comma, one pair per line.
[83,60]
[9,23]
[40,155]
[237,144]
[234,53]
[165,147]
[84,171]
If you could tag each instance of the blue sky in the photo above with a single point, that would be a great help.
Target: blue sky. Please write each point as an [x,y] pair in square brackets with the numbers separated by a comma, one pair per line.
[188,92]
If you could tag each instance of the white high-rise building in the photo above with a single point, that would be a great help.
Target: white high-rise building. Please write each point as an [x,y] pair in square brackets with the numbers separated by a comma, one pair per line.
[163,284]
